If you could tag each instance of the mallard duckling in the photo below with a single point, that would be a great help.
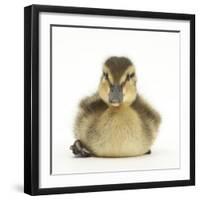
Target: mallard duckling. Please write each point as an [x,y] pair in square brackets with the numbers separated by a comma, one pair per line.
[116,121]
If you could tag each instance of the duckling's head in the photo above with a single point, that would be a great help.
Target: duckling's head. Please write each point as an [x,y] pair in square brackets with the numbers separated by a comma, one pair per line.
[118,82]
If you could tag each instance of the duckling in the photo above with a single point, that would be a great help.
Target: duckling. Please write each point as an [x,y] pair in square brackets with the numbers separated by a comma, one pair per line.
[115,121]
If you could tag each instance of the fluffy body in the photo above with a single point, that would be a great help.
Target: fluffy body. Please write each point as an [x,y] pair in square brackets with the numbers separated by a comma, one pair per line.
[123,131]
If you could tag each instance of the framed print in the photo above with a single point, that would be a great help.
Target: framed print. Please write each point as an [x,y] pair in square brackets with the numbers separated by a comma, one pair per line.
[109,99]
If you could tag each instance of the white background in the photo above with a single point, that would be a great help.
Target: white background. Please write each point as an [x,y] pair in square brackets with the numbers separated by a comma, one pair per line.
[168,87]
[157,59]
[11,105]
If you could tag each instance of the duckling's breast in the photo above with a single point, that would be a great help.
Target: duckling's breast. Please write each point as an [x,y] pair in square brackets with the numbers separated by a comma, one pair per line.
[119,133]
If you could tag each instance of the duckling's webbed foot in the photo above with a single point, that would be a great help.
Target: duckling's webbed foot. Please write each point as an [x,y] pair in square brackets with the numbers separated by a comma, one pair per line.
[79,150]
[148,152]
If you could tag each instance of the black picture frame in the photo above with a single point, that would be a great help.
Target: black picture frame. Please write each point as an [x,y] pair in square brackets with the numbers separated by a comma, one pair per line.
[31,98]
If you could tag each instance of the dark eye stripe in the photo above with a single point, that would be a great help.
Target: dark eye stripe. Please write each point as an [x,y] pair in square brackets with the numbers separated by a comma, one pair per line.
[106,77]
[129,76]
[132,75]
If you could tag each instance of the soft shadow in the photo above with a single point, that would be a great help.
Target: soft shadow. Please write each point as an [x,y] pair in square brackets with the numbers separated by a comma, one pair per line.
[18,188]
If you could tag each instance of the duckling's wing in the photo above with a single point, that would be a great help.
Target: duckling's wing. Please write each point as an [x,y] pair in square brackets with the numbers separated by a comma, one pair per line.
[146,111]
[92,104]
